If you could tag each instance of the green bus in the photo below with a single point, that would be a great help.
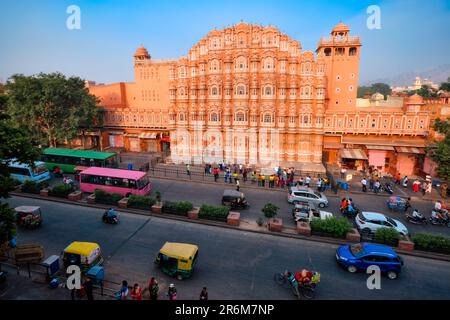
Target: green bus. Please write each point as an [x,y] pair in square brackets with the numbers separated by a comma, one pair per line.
[68,159]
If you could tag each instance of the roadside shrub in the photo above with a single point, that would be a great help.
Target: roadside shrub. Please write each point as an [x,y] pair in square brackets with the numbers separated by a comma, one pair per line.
[61,190]
[431,242]
[337,227]
[180,207]
[270,210]
[158,196]
[214,212]
[102,196]
[33,187]
[387,236]
[135,201]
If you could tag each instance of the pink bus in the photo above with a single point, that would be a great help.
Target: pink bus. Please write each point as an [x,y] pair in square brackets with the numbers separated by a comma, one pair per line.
[125,182]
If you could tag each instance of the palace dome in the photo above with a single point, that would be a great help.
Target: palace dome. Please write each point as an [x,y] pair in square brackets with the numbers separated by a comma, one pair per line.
[341,27]
[141,51]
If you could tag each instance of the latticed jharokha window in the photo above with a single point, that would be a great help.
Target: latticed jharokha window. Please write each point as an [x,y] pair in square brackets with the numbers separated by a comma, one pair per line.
[239,116]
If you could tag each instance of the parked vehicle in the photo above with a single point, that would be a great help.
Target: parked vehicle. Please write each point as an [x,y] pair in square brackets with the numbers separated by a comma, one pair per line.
[29,216]
[416,217]
[370,222]
[234,199]
[83,254]
[362,255]
[177,259]
[305,211]
[124,182]
[24,172]
[299,194]
[389,188]
[68,159]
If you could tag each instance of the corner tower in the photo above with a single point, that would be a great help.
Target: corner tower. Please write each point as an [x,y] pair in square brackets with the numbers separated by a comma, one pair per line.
[341,53]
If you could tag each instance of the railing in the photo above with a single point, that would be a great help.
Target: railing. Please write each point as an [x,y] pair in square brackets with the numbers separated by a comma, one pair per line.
[182,174]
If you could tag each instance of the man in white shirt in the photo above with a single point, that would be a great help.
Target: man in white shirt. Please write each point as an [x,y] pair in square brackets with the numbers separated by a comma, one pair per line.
[364,184]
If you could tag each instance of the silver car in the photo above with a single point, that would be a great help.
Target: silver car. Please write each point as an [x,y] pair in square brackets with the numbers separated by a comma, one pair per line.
[302,194]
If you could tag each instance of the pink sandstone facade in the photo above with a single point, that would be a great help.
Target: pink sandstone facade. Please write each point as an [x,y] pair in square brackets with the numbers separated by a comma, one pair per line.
[250,94]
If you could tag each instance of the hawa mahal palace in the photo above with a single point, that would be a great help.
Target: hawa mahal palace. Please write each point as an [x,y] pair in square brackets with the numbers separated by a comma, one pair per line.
[249,94]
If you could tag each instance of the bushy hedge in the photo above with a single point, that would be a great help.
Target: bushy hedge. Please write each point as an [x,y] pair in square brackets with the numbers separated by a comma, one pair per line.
[337,227]
[388,236]
[180,207]
[32,187]
[61,190]
[431,242]
[214,212]
[102,196]
[140,202]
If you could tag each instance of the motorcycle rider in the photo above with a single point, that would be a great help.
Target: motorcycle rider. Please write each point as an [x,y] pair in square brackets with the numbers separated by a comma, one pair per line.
[417,215]
[111,214]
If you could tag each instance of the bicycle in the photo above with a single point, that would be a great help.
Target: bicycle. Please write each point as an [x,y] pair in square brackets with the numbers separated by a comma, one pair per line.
[305,290]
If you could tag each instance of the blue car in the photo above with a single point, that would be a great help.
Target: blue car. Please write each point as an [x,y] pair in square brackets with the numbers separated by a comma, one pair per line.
[360,256]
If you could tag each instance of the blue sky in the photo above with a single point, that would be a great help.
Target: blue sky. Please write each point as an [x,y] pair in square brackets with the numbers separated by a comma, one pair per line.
[414,34]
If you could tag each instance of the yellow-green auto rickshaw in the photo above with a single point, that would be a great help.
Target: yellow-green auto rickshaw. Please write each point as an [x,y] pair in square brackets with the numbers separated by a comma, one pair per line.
[177,259]
[83,254]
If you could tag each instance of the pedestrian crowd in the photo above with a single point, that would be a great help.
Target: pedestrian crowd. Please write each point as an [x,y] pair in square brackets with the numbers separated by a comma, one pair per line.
[279,178]
[136,293]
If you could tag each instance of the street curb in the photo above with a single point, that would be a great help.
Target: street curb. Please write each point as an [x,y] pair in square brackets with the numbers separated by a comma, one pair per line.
[333,241]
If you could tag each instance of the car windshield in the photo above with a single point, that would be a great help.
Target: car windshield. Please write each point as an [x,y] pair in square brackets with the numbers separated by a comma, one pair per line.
[391,221]
[318,194]
[40,169]
[357,250]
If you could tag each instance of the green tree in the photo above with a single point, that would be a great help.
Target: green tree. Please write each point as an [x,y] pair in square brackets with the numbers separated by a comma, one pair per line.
[379,87]
[425,91]
[53,106]
[440,150]
[445,86]
[14,143]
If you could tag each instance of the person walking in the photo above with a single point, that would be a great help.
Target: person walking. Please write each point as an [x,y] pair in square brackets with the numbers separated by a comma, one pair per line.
[237,185]
[225,176]
[308,181]
[371,183]
[271,181]
[319,185]
[364,184]
[216,174]
[188,169]
[230,177]
[444,187]
[377,186]
[204,294]
[172,293]
[123,293]
[263,181]
[154,288]
[405,182]
[136,292]
[89,287]
[244,175]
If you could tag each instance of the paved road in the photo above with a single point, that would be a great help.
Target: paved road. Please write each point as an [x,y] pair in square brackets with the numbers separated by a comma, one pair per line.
[212,194]
[232,264]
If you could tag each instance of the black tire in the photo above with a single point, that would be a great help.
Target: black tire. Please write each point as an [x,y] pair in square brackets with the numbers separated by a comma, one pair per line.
[352,269]
[308,292]
[322,205]
[392,275]
[280,278]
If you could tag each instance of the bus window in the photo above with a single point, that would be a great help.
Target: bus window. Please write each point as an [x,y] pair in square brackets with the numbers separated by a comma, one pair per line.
[142,183]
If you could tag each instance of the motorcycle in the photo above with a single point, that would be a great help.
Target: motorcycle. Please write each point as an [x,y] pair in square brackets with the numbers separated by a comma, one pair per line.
[389,188]
[107,219]
[443,221]
[416,220]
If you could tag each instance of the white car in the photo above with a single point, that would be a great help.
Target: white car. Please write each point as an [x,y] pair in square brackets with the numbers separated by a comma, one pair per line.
[302,194]
[304,211]
[370,222]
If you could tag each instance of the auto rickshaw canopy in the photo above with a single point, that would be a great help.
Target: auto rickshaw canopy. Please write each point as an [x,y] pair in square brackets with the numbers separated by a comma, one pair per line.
[28,209]
[184,251]
[233,194]
[82,248]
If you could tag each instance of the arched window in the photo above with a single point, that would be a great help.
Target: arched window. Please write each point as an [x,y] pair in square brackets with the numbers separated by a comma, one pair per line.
[268,90]
[352,51]
[267,118]
[241,63]
[305,119]
[327,52]
[213,117]
[268,64]
[214,91]
[239,116]
[240,90]
[215,65]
